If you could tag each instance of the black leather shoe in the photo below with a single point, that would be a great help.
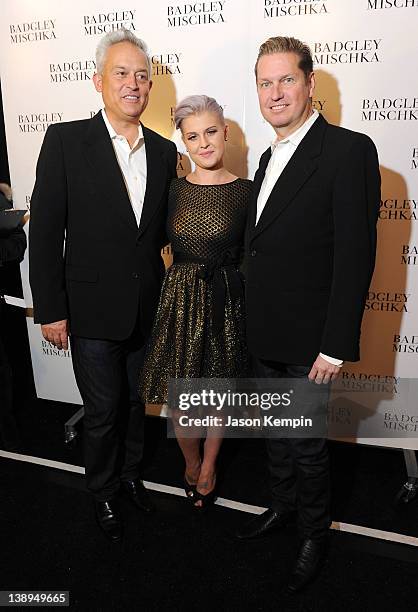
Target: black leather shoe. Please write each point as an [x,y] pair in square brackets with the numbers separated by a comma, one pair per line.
[139,495]
[310,560]
[263,523]
[109,520]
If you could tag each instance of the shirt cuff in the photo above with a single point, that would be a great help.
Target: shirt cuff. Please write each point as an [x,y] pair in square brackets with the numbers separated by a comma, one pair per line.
[337,362]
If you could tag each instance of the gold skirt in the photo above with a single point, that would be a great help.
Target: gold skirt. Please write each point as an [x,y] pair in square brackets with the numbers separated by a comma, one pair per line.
[183,342]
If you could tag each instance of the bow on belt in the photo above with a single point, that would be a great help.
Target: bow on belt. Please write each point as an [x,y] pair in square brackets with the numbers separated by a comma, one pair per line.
[212,270]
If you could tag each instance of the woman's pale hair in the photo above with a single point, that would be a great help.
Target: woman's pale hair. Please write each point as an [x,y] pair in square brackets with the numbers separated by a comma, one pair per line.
[194,105]
[115,37]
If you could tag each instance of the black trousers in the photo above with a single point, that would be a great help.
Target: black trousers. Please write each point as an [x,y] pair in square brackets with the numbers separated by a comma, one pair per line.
[8,429]
[107,375]
[299,467]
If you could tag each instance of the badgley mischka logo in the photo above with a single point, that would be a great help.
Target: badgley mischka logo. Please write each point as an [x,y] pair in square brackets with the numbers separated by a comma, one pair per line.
[401,422]
[389,109]
[166,63]
[76,70]
[388,4]
[101,23]
[32,31]
[347,51]
[38,122]
[409,255]
[195,13]
[414,164]
[394,209]
[375,383]
[405,344]
[293,8]
[387,301]
[51,350]
[319,105]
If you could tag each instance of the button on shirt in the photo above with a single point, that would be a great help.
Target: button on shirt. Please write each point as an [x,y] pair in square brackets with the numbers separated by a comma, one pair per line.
[133,164]
[281,153]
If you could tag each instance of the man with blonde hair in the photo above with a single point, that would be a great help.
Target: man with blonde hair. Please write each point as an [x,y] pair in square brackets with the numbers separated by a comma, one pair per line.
[310,253]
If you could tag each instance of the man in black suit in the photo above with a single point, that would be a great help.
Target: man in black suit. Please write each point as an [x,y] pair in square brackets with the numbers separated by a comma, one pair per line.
[310,254]
[102,184]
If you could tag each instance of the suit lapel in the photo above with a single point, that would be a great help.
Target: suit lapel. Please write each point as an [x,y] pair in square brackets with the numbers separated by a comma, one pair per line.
[258,180]
[101,156]
[298,170]
[156,178]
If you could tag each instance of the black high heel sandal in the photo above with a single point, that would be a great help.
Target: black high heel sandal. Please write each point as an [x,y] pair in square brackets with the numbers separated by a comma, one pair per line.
[190,490]
[207,500]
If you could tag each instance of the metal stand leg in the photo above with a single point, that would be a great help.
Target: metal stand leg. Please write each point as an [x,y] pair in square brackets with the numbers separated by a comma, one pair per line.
[69,426]
[410,489]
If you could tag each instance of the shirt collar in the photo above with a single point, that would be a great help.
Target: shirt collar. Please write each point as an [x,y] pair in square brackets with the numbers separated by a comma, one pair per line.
[297,136]
[113,134]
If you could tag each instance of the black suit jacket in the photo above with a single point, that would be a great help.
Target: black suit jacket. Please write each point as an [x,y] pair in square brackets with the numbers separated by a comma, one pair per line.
[310,258]
[12,250]
[110,269]
[12,244]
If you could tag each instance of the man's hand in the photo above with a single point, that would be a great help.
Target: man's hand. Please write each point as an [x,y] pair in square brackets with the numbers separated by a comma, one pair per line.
[323,371]
[56,333]
[6,190]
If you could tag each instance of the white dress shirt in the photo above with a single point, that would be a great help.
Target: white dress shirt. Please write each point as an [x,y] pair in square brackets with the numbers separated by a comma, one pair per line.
[281,153]
[133,164]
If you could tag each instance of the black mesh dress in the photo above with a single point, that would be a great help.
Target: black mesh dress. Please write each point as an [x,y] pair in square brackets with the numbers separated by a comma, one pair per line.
[199,328]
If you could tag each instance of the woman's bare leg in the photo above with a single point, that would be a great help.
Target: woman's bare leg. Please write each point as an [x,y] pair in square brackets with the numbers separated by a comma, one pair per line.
[190,447]
[207,477]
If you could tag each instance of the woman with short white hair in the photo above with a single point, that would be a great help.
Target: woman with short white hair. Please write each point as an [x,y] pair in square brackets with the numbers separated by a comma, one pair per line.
[199,329]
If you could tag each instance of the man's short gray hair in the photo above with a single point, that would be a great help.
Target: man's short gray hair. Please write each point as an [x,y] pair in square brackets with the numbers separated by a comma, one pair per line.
[115,37]
[193,105]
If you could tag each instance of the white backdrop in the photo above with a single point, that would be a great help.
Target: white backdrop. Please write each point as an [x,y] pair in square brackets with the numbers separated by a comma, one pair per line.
[364,53]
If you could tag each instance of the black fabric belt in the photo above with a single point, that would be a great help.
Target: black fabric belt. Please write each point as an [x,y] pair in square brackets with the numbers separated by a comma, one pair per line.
[211,271]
